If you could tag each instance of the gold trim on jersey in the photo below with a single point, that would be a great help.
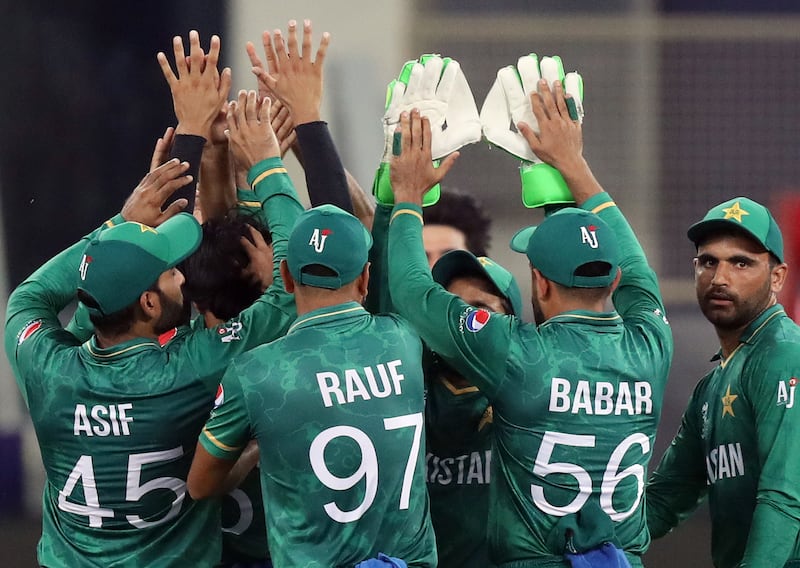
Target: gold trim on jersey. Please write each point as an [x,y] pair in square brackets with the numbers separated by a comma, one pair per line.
[88,345]
[298,322]
[222,446]
[264,175]
[456,390]
[602,206]
[579,316]
[487,418]
[399,212]
[256,204]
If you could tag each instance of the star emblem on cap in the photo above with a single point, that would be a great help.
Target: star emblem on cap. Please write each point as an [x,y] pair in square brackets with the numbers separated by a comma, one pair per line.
[735,212]
[484,261]
[727,402]
[146,228]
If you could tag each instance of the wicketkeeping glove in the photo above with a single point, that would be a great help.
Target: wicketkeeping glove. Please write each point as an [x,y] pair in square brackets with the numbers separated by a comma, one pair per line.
[508,103]
[438,88]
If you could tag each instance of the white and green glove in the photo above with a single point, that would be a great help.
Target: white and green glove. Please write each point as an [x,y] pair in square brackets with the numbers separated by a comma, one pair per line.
[508,103]
[438,88]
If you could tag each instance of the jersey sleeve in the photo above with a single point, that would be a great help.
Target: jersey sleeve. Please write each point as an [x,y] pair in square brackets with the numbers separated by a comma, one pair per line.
[679,483]
[473,341]
[637,297]
[325,177]
[776,520]
[378,299]
[33,331]
[270,316]
[227,430]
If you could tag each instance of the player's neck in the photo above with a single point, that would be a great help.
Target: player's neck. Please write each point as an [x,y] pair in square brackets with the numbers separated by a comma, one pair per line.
[139,330]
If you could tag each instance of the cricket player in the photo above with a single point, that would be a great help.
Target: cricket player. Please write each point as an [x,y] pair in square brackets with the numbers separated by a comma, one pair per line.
[117,417]
[739,440]
[576,398]
[336,407]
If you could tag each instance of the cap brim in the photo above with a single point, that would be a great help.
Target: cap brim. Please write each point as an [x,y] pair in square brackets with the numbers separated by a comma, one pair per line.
[519,242]
[698,232]
[455,263]
[184,235]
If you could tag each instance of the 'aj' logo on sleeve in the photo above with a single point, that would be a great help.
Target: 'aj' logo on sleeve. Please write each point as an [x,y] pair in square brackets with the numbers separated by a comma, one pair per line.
[318,238]
[786,394]
[589,236]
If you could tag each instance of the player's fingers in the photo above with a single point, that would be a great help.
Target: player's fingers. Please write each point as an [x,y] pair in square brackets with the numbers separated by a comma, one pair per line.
[173,209]
[538,108]
[530,136]
[405,134]
[166,70]
[445,166]
[265,111]
[287,142]
[560,100]
[425,135]
[294,53]
[280,47]
[548,101]
[269,53]
[255,61]
[213,52]
[306,52]
[323,49]
[196,55]
[416,130]
[251,107]
[230,118]
[180,56]
[224,85]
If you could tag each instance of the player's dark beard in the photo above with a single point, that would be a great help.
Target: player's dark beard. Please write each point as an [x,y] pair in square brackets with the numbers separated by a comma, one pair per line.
[173,314]
[538,314]
[742,310]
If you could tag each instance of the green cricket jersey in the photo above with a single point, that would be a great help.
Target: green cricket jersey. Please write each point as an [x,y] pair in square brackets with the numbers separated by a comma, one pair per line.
[458,423]
[337,409]
[117,427]
[576,400]
[458,426]
[739,444]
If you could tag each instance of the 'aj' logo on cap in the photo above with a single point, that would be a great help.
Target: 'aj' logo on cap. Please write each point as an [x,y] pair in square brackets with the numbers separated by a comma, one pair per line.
[589,236]
[318,238]
[85,262]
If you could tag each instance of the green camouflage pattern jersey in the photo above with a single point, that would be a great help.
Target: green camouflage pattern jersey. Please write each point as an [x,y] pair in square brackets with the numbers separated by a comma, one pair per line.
[458,430]
[739,445]
[337,409]
[576,400]
[244,526]
[117,427]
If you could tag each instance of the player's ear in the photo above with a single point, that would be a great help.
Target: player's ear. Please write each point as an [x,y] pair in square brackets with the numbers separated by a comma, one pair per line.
[150,302]
[541,284]
[363,282]
[617,278]
[288,281]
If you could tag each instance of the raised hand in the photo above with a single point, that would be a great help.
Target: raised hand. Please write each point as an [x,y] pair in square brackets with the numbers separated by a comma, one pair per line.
[412,169]
[283,125]
[250,133]
[292,75]
[161,151]
[144,204]
[198,89]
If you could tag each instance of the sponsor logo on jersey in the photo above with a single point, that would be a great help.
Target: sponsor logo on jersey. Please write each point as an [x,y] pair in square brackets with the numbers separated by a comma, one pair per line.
[589,236]
[476,319]
[85,262]
[230,331]
[318,238]
[704,431]
[28,330]
[220,398]
[724,462]
[660,314]
[786,392]
[167,336]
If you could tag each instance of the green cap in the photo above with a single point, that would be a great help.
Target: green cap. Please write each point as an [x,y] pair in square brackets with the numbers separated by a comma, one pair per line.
[567,240]
[125,260]
[463,263]
[333,238]
[746,215]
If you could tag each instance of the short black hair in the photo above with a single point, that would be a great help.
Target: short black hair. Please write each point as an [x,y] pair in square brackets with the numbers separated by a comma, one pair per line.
[116,323]
[462,211]
[215,278]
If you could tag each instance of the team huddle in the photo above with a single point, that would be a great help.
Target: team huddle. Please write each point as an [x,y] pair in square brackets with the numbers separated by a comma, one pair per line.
[353,389]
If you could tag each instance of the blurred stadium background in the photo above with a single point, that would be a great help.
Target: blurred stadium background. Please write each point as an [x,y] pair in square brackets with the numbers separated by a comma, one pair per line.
[688,103]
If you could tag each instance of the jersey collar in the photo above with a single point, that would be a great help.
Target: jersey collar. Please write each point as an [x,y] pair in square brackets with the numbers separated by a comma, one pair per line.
[602,319]
[751,332]
[121,350]
[329,314]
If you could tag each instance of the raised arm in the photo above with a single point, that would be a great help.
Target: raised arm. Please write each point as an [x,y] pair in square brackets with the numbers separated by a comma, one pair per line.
[198,93]
[297,80]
